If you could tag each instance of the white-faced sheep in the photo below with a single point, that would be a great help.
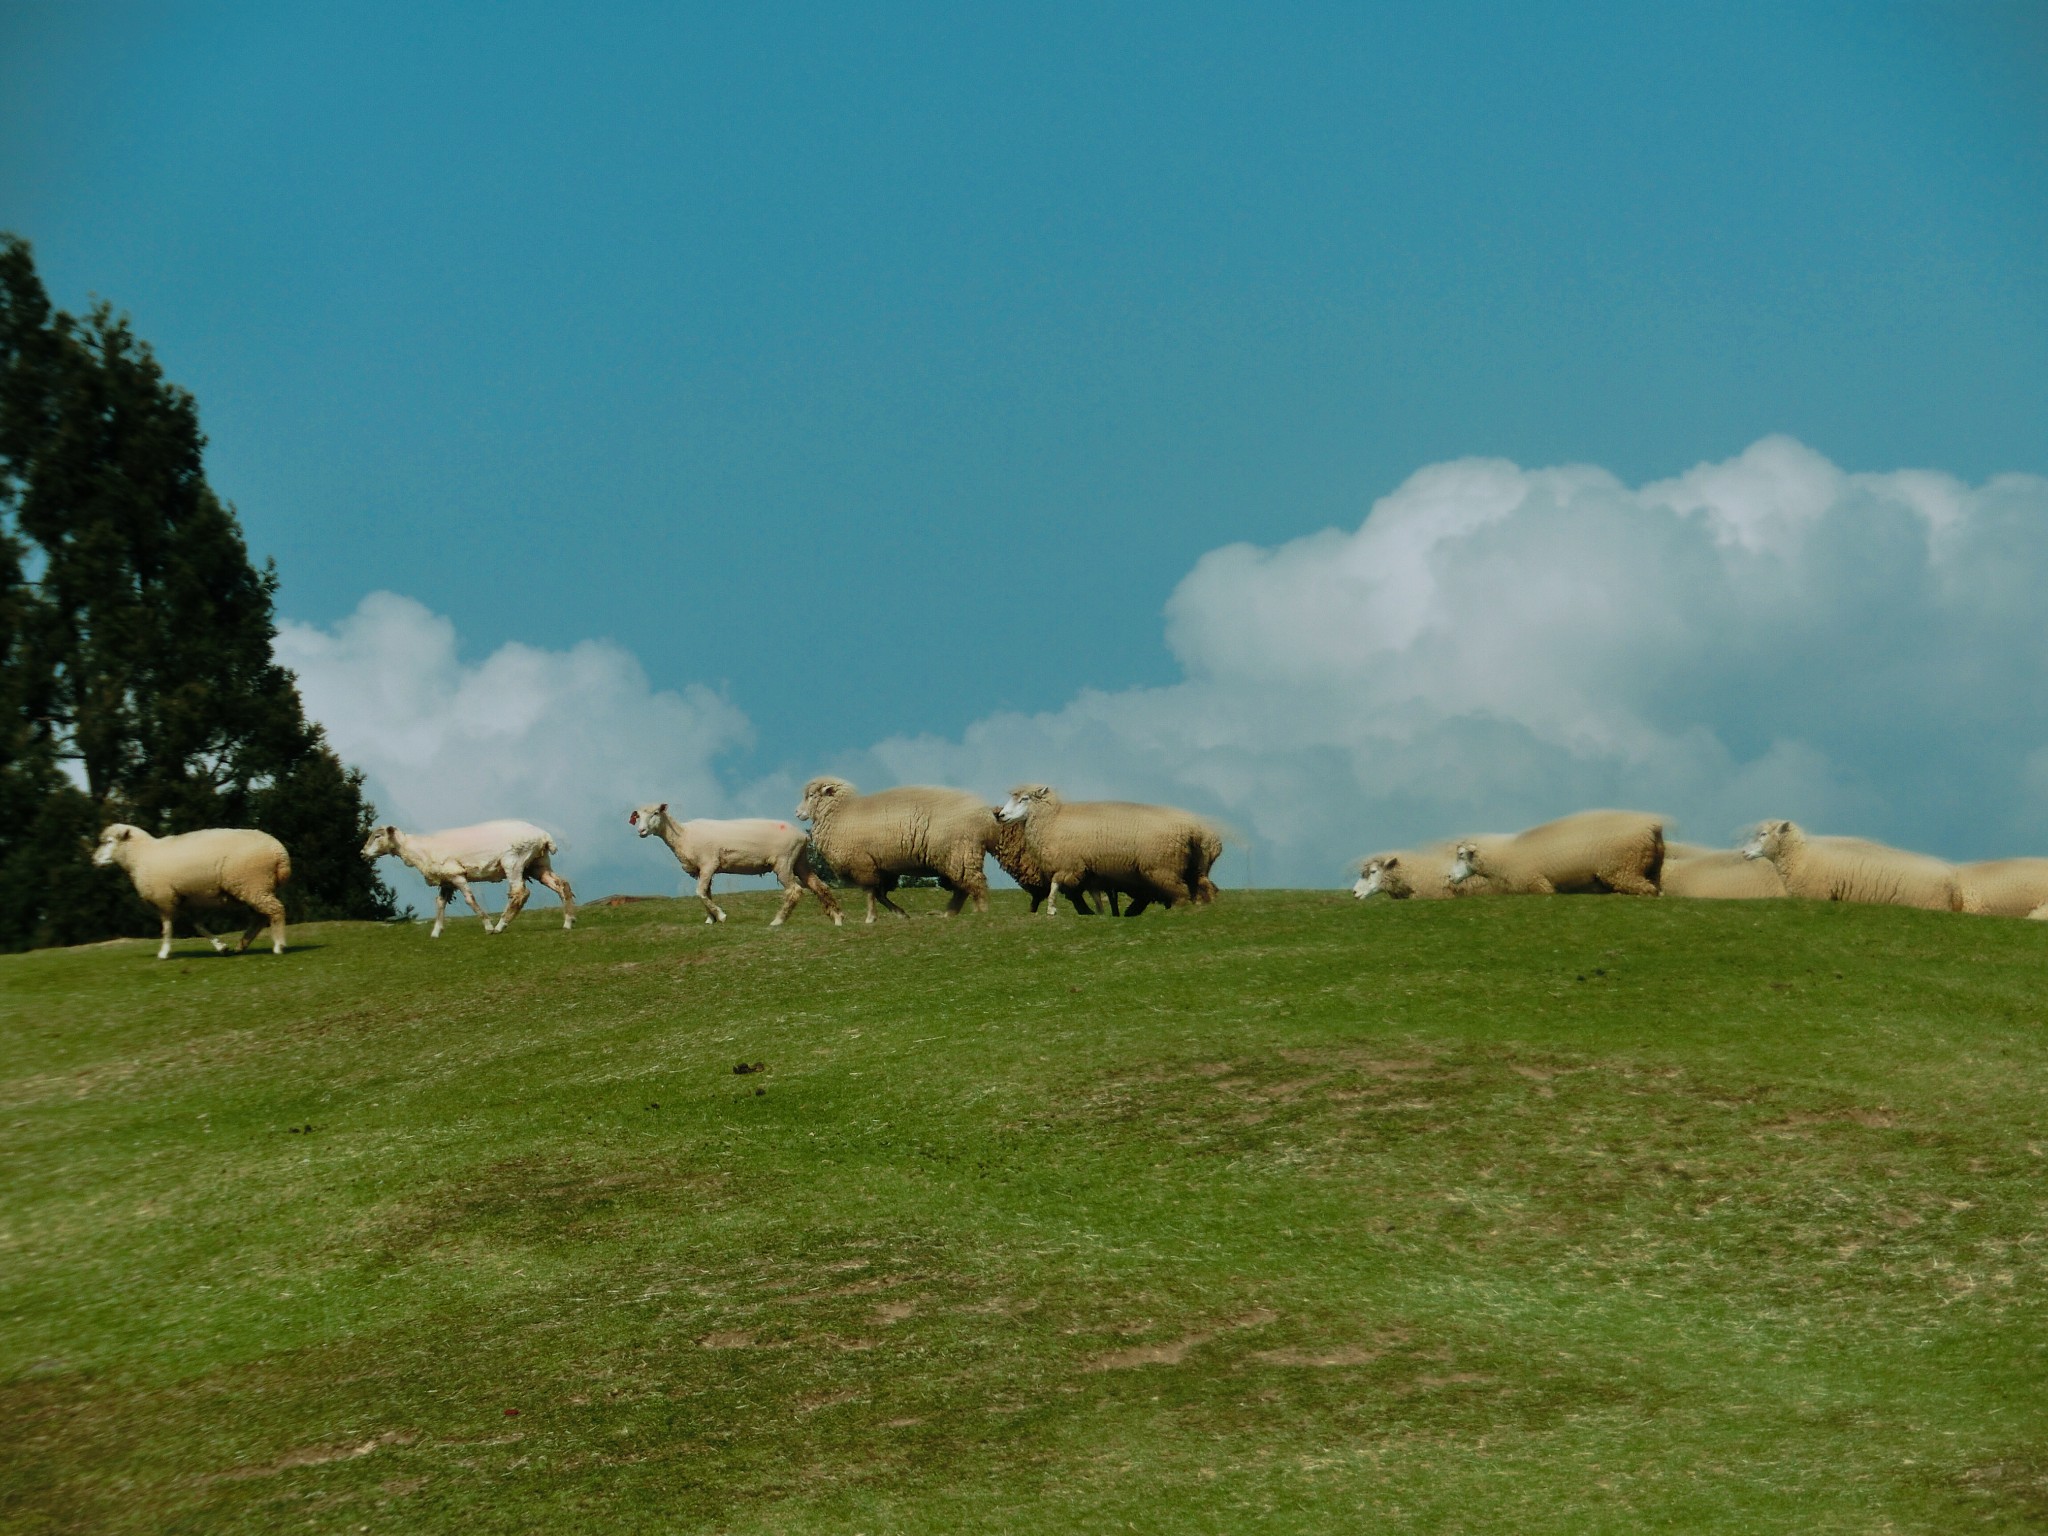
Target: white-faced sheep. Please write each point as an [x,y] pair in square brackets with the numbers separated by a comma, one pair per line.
[1593,851]
[491,850]
[2006,887]
[1718,874]
[873,841]
[212,868]
[1853,869]
[1420,874]
[754,846]
[1152,852]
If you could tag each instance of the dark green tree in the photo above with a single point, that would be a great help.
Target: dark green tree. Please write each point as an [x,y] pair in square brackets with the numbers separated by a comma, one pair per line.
[146,652]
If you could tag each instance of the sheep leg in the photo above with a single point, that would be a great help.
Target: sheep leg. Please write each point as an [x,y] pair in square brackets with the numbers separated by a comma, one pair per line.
[164,949]
[1628,882]
[516,892]
[220,945]
[545,873]
[881,893]
[823,892]
[469,896]
[270,914]
[441,894]
[792,892]
[712,912]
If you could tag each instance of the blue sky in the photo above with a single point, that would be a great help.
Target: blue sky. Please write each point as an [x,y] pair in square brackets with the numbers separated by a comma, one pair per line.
[864,377]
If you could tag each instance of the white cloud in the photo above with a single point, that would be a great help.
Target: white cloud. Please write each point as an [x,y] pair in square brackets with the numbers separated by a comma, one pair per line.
[1768,636]
[1493,646]
[570,739]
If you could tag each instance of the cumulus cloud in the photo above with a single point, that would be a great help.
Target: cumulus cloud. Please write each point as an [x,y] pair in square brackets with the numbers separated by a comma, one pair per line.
[571,739]
[1493,645]
[1489,647]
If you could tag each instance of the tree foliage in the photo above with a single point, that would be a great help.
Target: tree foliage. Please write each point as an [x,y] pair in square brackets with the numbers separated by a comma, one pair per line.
[135,638]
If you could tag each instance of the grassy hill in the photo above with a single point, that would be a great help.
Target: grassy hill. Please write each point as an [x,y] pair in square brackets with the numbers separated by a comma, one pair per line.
[1294,1214]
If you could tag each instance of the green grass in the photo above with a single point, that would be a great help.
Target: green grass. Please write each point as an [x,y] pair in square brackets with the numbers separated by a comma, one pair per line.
[1294,1214]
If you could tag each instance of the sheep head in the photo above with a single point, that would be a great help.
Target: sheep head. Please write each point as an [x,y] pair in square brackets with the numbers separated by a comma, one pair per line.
[1372,876]
[382,841]
[1026,798]
[648,818]
[1464,864]
[819,795]
[111,840]
[1769,839]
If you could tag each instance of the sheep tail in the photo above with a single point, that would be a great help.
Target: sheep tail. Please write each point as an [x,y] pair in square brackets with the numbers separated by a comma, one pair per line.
[284,868]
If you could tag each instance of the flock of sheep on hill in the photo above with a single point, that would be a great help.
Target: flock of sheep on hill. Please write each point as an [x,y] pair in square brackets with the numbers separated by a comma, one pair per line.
[1625,851]
[1106,849]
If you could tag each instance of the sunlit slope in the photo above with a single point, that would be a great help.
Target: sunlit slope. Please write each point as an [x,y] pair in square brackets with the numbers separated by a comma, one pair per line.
[1290,1214]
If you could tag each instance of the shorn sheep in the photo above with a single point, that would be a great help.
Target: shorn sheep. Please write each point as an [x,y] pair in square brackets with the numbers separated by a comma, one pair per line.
[1718,874]
[213,868]
[873,841]
[756,846]
[1153,852]
[1852,869]
[1593,851]
[1418,874]
[491,850]
[2006,887]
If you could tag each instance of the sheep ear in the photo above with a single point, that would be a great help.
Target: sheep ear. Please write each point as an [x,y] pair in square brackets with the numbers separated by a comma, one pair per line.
[663,807]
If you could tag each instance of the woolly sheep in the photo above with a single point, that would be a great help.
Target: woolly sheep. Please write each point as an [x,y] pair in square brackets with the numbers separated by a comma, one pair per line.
[1718,874]
[1591,851]
[210,868]
[1419,874]
[1155,852]
[491,850]
[1007,845]
[2006,887]
[873,841]
[755,846]
[1853,869]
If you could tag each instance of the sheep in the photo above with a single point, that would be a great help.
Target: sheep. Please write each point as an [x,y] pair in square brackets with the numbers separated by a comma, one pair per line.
[1007,845]
[1853,869]
[1154,851]
[755,846]
[1591,851]
[1419,873]
[1718,874]
[2007,887]
[875,840]
[491,850]
[210,868]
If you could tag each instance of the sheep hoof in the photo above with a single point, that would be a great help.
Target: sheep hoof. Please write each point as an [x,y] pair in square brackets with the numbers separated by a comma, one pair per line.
[774,922]
[164,953]
[219,946]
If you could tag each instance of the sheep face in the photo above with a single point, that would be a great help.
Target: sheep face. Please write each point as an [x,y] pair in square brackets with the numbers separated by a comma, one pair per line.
[1464,864]
[1023,800]
[110,842]
[819,795]
[1768,840]
[1372,878]
[649,819]
[382,841]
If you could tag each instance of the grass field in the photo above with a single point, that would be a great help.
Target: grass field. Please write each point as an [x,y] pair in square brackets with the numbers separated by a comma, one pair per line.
[1294,1214]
